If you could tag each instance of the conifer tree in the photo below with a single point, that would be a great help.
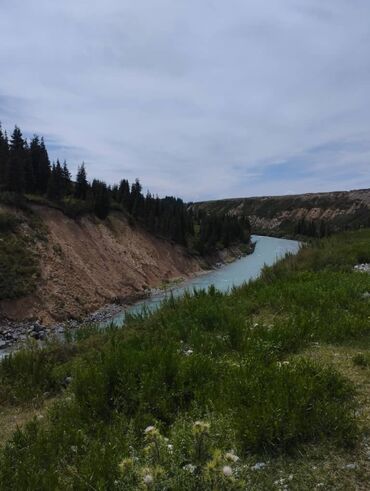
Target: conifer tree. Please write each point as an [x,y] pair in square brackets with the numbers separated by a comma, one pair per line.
[4,156]
[82,185]
[67,179]
[136,199]
[29,176]
[44,168]
[56,183]
[14,173]
[100,198]
[40,164]
[124,193]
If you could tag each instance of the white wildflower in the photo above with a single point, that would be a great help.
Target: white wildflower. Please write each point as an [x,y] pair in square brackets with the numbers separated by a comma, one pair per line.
[227,471]
[148,479]
[170,447]
[188,352]
[258,466]
[231,456]
[200,427]
[190,468]
[149,429]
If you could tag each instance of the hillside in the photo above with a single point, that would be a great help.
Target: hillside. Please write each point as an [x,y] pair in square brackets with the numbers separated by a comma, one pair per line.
[265,388]
[74,266]
[301,214]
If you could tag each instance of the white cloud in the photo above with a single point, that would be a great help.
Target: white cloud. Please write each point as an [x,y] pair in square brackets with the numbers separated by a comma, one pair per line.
[195,98]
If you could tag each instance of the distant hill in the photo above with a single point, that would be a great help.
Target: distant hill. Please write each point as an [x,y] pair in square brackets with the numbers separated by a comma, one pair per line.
[312,214]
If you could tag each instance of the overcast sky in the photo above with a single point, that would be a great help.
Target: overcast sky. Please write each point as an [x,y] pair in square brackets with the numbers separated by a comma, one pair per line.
[199,98]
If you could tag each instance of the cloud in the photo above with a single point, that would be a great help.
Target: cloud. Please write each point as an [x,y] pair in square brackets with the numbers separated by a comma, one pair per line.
[199,99]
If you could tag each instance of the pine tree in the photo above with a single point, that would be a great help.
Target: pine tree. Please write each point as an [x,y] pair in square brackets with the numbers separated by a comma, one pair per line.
[40,164]
[124,193]
[14,173]
[56,183]
[29,176]
[44,168]
[82,185]
[67,179]
[136,199]
[100,198]
[4,156]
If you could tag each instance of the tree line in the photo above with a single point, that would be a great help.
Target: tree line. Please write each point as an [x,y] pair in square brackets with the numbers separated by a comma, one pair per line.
[25,169]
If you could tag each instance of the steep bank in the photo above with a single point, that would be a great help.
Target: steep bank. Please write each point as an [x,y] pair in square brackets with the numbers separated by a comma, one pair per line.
[304,214]
[86,263]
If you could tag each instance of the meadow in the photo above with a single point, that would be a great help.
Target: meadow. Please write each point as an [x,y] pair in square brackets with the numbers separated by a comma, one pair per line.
[265,388]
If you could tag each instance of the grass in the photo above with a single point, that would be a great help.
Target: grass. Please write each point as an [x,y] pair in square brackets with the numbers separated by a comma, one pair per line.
[274,374]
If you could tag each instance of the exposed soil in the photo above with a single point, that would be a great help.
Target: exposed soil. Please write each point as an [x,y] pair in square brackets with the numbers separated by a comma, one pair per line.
[280,215]
[87,263]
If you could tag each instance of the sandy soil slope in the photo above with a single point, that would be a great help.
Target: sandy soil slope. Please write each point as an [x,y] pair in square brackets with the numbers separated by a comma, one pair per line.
[87,263]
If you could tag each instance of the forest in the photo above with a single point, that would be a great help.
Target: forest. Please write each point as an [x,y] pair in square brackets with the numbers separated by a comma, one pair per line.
[26,170]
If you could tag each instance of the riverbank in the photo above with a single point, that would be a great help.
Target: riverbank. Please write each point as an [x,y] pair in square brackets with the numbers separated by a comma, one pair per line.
[14,334]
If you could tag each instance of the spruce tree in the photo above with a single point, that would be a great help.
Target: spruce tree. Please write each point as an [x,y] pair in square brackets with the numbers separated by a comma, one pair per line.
[44,168]
[4,156]
[14,173]
[29,176]
[100,198]
[136,199]
[124,193]
[56,188]
[67,179]
[82,185]
[40,164]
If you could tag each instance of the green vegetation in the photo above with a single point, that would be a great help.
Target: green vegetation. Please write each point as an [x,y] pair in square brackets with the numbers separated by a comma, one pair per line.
[18,263]
[213,391]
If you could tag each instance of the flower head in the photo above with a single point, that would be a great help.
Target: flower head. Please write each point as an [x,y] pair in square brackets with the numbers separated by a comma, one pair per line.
[125,465]
[231,457]
[227,471]
[189,468]
[148,479]
[200,427]
[149,429]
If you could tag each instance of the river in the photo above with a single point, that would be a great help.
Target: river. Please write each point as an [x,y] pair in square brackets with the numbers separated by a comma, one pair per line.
[267,251]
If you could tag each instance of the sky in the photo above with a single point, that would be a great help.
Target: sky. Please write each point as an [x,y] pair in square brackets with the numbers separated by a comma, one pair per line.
[203,99]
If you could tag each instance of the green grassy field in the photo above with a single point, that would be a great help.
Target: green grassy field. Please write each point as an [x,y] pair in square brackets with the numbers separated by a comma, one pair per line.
[265,388]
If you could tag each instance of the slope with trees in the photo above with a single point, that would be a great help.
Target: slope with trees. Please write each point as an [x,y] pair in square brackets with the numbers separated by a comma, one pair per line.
[25,170]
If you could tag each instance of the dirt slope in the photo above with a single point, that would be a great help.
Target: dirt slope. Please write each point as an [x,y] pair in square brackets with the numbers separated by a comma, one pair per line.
[280,215]
[87,263]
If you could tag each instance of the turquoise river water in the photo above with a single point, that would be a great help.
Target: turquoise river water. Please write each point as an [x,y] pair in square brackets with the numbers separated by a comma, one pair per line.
[267,251]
